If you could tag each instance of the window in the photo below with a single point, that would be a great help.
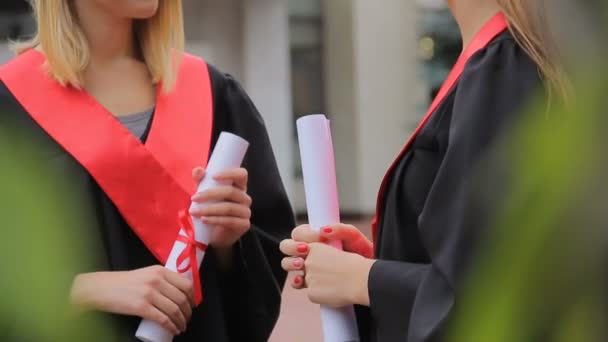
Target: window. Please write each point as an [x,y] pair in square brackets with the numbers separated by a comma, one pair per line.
[306,44]
[15,22]
[306,56]
[439,43]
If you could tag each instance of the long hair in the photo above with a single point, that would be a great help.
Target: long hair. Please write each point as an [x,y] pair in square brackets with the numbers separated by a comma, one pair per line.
[160,39]
[530,27]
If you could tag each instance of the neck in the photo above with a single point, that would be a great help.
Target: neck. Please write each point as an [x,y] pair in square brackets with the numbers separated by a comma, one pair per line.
[471,15]
[109,37]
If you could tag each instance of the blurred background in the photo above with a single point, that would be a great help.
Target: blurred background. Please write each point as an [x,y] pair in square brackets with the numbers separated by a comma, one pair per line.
[373,67]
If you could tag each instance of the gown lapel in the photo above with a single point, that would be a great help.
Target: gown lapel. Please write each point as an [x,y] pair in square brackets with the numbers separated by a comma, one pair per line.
[494,27]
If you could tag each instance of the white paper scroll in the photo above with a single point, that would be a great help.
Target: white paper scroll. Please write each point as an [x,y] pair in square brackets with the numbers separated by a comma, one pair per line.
[228,153]
[318,166]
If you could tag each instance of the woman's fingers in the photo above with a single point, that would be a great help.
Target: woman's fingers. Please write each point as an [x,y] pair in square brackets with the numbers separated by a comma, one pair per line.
[239,177]
[183,284]
[152,313]
[228,222]
[298,282]
[342,232]
[223,194]
[170,309]
[292,264]
[229,209]
[178,297]
[305,233]
[294,248]
[353,240]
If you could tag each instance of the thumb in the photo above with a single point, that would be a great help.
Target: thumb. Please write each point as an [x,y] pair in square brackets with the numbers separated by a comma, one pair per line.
[343,232]
[353,240]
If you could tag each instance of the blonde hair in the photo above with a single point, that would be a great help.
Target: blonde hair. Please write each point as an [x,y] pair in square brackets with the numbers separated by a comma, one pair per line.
[529,25]
[160,39]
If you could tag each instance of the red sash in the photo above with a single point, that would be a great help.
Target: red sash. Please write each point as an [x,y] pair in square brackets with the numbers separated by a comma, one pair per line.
[488,32]
[148,183]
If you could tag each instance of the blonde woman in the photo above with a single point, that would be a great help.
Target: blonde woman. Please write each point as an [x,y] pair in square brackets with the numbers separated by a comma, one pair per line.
[106,94]
[406,283]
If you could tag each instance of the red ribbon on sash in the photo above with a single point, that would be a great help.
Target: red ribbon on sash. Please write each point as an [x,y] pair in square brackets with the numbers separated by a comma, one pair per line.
[495,26]
[149,183]
[189,254]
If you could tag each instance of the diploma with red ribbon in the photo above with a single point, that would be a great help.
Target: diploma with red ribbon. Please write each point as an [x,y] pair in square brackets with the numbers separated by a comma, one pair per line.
[189,248]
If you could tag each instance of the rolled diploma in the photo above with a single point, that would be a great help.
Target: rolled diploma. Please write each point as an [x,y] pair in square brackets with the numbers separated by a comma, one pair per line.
[318,167]
[228,153]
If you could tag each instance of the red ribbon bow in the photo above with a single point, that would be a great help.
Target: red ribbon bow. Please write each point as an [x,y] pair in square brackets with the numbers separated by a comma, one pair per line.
[190,253]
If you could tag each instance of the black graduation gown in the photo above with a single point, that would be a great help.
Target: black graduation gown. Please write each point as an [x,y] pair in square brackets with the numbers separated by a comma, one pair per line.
[429,222]
[240,305]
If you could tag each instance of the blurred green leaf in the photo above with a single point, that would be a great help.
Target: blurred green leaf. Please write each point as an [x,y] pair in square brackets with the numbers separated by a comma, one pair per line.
[540,276]
[39,255]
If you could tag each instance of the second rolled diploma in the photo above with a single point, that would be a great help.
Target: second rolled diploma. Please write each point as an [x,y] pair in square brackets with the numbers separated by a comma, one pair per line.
[318,167]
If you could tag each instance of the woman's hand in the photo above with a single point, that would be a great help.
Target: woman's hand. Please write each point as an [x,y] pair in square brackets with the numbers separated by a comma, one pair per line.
[333,277]
[230,208]
[352,239]
[155,293]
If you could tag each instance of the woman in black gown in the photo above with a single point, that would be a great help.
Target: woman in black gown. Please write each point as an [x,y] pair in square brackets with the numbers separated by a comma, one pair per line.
[406,283]
[97,94]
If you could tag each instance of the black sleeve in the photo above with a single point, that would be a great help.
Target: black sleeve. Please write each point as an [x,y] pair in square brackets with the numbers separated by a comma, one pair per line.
[252,291]
[495,85]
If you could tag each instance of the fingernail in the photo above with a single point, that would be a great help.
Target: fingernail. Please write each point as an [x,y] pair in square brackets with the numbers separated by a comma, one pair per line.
[327,230]
[302,248]
[323,239]
[297,280]
[298,263]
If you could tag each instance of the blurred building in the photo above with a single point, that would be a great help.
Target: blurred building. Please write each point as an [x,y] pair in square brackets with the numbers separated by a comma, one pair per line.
[370,66]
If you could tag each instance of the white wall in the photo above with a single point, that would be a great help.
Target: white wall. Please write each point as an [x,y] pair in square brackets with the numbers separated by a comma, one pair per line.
[372,87]
[214,30]
[267,75]
[385,47]
[250,40]
[7,20]
[341,105]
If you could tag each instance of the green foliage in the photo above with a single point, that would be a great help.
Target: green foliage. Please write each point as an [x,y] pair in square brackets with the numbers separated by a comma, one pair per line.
[39,254]
[542,276]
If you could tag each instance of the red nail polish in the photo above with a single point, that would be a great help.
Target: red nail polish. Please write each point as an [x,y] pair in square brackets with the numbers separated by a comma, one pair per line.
[297,280]
[327,230]
[302,248]
[298,263]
